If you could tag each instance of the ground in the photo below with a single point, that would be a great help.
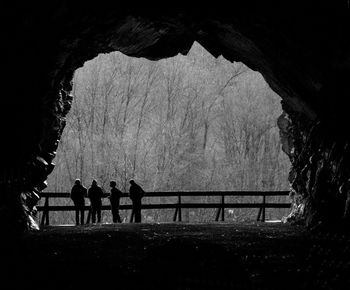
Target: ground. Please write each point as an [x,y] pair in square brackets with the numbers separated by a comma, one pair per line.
[178,256]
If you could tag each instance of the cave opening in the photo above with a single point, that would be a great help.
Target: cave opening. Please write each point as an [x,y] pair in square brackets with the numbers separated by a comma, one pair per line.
[301,52]
[305,63]
[191,122]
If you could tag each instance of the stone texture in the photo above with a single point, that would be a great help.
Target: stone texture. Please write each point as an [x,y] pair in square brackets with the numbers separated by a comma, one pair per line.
[304,55]
[319,177]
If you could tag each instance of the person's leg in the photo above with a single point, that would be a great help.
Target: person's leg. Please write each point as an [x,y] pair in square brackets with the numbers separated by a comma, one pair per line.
[137,217]
[132,214]
[117,212]
[82,215]
[118,219]
[137,212]
[93,214]
[99,213]
[113,213]
[76,215]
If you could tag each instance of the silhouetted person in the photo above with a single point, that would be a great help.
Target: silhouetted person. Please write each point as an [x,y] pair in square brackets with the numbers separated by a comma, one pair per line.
[95,195]
[136,194]
[115,201]
[78,194]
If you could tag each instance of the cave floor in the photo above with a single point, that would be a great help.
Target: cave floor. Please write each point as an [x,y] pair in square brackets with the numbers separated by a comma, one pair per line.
[178,256]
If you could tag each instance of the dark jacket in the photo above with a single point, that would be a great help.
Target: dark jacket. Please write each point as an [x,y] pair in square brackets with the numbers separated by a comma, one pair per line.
[95,194]
[78,193]
[136,192]
[115,195]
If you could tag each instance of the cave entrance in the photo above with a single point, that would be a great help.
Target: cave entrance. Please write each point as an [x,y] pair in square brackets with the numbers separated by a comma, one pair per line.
[185,123]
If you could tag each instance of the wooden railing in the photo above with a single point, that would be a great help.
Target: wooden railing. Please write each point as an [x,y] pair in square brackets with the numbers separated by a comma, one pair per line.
[179,205]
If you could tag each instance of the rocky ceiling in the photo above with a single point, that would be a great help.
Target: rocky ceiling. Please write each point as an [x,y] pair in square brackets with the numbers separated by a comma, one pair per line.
[302,50]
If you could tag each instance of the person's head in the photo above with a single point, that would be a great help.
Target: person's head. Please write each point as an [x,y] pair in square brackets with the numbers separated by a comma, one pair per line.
[132,181]
[94,182]
[113,184]
[77,182]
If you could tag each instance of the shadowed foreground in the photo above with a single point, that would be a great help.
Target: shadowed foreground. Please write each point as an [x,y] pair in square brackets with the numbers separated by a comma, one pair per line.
[179,256]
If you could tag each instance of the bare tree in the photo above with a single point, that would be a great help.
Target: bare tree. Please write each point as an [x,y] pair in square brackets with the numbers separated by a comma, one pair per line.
[191,122]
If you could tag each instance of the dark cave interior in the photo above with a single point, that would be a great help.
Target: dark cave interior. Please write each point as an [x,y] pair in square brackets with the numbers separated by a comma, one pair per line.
[304,56]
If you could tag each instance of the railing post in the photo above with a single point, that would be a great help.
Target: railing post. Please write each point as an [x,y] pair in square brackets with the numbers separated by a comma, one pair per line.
[132,216]
[218,211]
[222,208]
[175,214]
[259,214]
[45,217]
[264,209]
[179,206]
[89,216]
[43,214]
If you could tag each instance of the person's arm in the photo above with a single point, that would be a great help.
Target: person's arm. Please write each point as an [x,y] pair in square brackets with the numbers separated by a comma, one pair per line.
[142,191]
[72,194]
[103,193]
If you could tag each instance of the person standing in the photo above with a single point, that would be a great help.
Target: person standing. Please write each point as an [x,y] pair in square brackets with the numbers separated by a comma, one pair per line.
[136,193]
[114,198]
[78,194]
[95,195]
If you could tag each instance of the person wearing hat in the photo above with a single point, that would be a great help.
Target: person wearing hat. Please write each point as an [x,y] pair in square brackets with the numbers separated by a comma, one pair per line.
[95,195]
[114,198]
[136,193]
[78,194]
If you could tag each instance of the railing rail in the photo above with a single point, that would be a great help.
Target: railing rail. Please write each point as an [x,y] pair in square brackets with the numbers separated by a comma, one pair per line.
[179,205]
[187,193]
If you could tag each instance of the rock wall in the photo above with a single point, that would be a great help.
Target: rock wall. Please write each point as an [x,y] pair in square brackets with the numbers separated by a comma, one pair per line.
[303,55]
[319,177]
